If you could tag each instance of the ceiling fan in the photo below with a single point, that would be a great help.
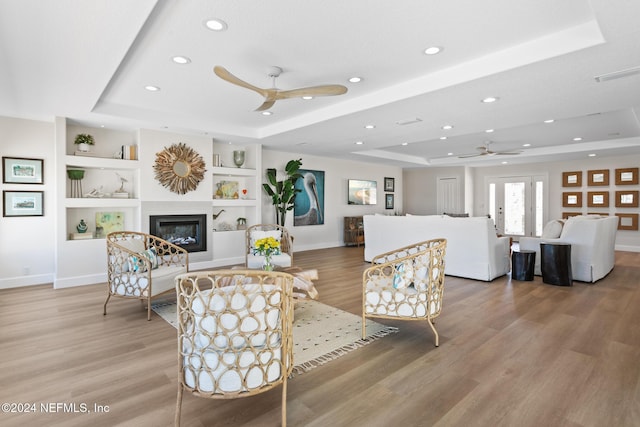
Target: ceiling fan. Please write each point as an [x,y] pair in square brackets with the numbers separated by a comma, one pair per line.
[274,94]
[486,151]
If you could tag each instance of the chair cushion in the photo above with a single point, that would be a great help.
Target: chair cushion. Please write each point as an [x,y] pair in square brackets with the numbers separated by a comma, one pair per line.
[552,229]
[403,276]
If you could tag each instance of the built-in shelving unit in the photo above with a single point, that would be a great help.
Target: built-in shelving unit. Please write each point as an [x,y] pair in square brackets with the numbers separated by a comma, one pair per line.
[228,241]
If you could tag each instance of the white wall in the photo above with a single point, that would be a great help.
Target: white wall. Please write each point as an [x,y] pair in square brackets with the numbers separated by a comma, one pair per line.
[420,188]
[337,172]
[27,244]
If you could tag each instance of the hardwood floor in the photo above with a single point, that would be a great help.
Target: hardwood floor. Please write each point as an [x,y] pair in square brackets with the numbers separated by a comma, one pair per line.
[511,354]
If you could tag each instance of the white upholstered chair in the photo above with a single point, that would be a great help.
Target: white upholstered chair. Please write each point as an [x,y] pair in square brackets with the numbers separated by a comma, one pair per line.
[407,283]
[142,266]
[235,336]
[278,232]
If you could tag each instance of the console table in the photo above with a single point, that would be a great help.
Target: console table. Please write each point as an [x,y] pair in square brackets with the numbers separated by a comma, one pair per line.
[353,231]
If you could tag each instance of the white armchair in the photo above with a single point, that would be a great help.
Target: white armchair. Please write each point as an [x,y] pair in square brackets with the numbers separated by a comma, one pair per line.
[281,234]
[407,283]
[142,266]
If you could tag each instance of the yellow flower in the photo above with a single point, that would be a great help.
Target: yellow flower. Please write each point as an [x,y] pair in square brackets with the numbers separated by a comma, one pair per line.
[267,246]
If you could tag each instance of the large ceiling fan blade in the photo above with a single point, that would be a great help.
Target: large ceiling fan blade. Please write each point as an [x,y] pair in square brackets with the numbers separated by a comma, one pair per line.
[324,90]
[224,74]
[507,153]
[464,156]
[265,105]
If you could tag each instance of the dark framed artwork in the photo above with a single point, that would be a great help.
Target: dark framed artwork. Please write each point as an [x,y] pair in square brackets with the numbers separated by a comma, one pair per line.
[308,207]
[628,176]
[571,200]
[572,179]
[23,203]
[19,170]
[598,199]
[388,201]
[389,184]
[627,199]
[627,221]
[598,177]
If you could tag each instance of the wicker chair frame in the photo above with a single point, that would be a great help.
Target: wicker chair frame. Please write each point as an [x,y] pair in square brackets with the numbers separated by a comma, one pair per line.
[286,240]
[422,299]
[234,326]
[119,259]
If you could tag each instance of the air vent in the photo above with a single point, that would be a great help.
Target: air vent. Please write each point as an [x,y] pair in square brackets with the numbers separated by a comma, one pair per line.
[617,74]
[408,121]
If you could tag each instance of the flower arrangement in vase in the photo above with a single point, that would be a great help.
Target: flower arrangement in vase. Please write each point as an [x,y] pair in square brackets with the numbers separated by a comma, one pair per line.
[267,247]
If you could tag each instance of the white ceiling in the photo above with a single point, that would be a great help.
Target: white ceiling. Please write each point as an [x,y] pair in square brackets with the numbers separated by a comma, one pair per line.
[89,60]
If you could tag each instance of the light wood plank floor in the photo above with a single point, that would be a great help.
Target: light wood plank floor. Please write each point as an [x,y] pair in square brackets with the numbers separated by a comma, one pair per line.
[511,354]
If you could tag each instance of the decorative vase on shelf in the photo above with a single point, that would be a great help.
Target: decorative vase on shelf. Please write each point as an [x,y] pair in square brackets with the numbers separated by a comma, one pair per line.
[238,158]
[82,226]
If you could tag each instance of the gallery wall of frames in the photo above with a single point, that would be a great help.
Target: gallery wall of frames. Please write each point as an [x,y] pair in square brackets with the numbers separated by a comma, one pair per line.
[603,192]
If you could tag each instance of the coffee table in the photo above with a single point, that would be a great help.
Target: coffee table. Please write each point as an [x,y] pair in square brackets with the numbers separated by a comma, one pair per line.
[302,280]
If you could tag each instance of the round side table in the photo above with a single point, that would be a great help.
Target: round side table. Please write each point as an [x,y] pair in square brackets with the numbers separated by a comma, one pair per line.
[522,265]
[555,263]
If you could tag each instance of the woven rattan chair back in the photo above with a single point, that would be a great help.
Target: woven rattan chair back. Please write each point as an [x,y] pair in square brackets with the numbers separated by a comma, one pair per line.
[407,283]
[235,336]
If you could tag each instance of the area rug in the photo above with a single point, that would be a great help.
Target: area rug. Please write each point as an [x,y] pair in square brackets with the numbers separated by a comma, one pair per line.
[321,333]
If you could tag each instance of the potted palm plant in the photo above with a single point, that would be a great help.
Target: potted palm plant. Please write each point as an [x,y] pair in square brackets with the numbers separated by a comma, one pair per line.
[83,141]
[283,193]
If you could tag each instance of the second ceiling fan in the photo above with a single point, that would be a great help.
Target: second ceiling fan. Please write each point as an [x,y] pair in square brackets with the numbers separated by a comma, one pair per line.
[274,94]
[486,151]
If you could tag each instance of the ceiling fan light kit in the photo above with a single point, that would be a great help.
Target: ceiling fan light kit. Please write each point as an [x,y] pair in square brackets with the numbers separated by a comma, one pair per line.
[274,94]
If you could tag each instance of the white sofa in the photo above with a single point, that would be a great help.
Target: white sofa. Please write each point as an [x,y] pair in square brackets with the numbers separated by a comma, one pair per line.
[592,238]
[473,249]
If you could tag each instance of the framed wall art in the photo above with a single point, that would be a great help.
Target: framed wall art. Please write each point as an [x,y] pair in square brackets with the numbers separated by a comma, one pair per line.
[572,179]
[23,203]
[18,170]
[362,192]
[571,200]
[628,176]
[389,184]
[598,177]
[627,199]
[308,207]
[627,221]
[388,201]
[566,215]
[598,199]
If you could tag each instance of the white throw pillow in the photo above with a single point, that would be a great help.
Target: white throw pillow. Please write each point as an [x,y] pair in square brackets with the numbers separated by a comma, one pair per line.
[552,229]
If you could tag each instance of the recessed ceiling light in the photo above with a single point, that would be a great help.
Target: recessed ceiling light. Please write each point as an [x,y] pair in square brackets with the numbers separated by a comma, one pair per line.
[152,88]
[307,97]
[592,155]
[447,127]
[405,143]
[215,24]
[490,99]
[489,130]
[370,126]
[355,79]
[443,138]
[526,145]
[433,50]
[449,154]
[359,142]
[549,121]
[181,60]
[577,138]
[504,162]
[267,113]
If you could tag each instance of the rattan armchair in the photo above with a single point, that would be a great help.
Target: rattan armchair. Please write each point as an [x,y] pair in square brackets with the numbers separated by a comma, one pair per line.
[142,266]
[235,336]
[280,233]
[407,283]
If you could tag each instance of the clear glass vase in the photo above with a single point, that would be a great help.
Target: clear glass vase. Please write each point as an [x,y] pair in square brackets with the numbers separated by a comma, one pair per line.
[267,265]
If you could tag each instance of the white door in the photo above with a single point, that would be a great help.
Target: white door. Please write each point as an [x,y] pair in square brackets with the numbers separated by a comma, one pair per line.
[515,204]
[448,195]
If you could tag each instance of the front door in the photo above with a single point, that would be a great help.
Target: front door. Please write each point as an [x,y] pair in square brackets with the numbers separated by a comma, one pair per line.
[515,204]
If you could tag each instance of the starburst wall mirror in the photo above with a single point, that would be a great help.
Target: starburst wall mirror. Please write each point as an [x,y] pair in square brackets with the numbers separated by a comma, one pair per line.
[179,168]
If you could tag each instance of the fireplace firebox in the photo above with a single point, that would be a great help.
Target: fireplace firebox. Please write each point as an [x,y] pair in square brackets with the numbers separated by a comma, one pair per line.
[186,231]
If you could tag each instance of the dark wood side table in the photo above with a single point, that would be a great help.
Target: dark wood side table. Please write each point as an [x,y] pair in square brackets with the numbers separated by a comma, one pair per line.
[555,263]
[523,264]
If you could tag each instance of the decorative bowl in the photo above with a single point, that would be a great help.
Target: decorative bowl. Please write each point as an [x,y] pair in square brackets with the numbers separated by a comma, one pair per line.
[75,173]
